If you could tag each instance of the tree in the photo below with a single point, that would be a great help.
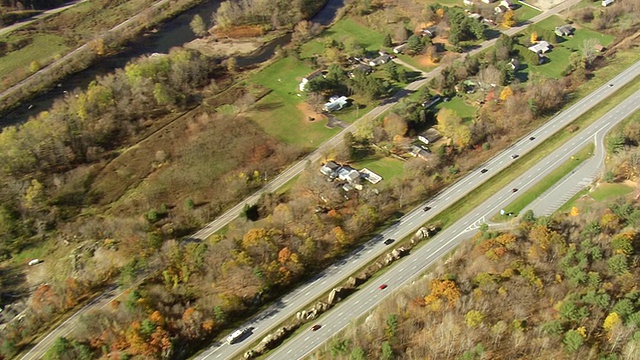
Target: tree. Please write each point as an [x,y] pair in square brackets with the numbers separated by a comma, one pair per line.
[572,340]
[509,18]
[414,45]
[589,50]
[506,93]
[232,64]
[198,26]
[400,34]
[357,354]
[387,42]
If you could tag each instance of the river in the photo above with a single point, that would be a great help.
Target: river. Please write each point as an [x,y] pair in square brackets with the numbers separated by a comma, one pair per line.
[174,32]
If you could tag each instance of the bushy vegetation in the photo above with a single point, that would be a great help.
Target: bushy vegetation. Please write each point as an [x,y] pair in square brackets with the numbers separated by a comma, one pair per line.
[560,287]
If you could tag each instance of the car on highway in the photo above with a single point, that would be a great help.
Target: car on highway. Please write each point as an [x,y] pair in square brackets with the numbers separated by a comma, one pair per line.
[316,327]
[532,138]
[514,190]
[389,241]
[382,287]
[484,170]
[426,208]
[514,156]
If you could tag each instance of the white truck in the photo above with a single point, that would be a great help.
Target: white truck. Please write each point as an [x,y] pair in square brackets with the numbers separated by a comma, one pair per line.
[236,335]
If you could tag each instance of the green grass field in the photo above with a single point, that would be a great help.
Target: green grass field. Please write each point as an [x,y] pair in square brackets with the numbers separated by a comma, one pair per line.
[559,55]
[609,191]
[524,12]
[43,49]
[341,31]
[464,110]
[384,166]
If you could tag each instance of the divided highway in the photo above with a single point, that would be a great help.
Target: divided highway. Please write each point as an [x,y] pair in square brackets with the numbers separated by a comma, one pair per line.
[411,267]
[334,275]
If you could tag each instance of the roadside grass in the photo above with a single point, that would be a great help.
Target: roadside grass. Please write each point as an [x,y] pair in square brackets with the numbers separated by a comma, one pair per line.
[43,50]
[547,182]
[385,166]
[341,31]
[571,202]
[282,76]
[610,190]
[525,13]
[457,104]
[622,60]
[418,62]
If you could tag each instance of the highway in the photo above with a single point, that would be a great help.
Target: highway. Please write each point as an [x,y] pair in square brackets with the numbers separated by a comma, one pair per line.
[408,269]
[334,275]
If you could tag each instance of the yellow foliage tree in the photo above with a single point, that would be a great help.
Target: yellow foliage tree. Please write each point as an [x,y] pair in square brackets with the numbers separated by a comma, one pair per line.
[509,19]
[534,37]
[611,321]
[574,211]
[506,93]
[473,318]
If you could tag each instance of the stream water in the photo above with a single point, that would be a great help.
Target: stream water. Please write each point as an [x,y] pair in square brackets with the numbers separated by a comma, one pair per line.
[174,32]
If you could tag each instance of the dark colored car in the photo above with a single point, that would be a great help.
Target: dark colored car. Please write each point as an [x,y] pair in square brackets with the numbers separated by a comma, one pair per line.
[484,170]
[514,156]
[514,190]
[532,138]
[382,287]
[426,208]
[389,241]
[316,327]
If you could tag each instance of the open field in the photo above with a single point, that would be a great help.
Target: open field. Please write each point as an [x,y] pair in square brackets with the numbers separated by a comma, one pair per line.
[609,191]
[525,13]
[457,104]
[384,166]
[43,50]
[367,38]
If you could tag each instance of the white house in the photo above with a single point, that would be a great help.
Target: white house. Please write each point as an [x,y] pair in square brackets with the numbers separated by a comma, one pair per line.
[335,103]
[382,59]
[307,78]
[607,2]
[468,2]
[540,48]
[349,174]
[488,1]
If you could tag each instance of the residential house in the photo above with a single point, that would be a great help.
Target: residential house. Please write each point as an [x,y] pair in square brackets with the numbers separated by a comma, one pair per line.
[489,1]
[500,9]
[308,78]
[419,151]
[348,174]
[429,136]
[514,64]
[330,169]
[363,68]
[431,102]
[400,48]
[430,32]
[508,4]
[607,2]
[599,48]
[382,59]
[335,103]
[540,47]
[468,2]
[564,30]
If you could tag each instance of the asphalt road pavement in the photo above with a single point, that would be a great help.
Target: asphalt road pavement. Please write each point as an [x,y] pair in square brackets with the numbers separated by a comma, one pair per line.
[411,267]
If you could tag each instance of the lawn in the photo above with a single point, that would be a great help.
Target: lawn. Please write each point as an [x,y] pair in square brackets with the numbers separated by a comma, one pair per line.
[419,61]
[43,48]
[278,113]
[559,55]
[608,191]
[341,31]
[464,110]
[384,166]
[524,12]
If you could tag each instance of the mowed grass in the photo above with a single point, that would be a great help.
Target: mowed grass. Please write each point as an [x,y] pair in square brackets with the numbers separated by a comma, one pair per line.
[464,110]
[342,31]
[561,52]
[43,49]
[524,12]
[384,166]
[609,191]
[278,113]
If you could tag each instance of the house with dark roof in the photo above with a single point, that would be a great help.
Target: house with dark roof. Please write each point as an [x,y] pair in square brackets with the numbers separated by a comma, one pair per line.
[564,30]
[380,60]
[308,78]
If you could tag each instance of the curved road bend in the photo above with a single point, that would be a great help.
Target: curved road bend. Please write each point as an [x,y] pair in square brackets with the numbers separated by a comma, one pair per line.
[411,267]
[296,300]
